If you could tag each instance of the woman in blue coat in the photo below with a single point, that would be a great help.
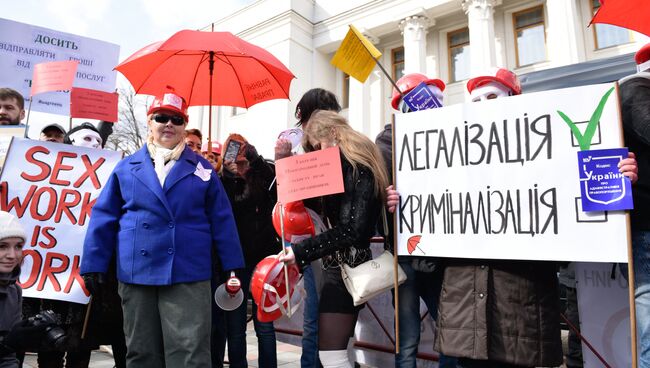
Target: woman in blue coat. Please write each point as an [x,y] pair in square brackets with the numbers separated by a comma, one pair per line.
[163,213]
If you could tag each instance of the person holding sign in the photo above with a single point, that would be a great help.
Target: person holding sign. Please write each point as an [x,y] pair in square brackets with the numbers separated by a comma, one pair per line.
[423,278]
[352,215]
[162,213]
[312,100]
[634,93]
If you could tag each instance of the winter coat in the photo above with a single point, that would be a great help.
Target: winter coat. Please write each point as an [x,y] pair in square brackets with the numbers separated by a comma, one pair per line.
[502,311]
[10,310]
[635,112]
[161,235]
[352,214]
[252,200]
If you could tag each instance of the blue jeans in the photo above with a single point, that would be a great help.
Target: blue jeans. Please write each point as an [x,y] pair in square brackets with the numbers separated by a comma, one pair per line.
[425,285]
[234,323]
[641,252]
[309,357]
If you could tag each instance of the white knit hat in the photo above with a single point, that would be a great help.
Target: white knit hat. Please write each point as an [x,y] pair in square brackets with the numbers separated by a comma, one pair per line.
[10,227]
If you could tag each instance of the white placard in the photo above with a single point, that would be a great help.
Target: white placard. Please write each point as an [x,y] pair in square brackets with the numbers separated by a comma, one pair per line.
[499,179]
[51,188]
[24,45]
[604,315]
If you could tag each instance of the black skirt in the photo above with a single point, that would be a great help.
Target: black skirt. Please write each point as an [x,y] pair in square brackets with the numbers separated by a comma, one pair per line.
[334,297]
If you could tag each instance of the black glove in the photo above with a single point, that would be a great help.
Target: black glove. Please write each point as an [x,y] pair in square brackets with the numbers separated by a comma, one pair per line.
[94,282]
[251,153]
[24,335]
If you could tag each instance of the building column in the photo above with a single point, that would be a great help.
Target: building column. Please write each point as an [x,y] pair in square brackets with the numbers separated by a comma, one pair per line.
[480,19]
[563,29]
[414,30]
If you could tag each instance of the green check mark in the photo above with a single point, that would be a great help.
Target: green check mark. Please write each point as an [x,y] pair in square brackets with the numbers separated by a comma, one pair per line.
[585,140]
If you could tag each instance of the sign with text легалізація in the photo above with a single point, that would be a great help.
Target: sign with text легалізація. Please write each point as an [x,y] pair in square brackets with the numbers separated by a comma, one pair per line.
[497,179]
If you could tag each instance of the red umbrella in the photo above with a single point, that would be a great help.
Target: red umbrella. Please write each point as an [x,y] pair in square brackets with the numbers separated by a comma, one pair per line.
[630,14]
[208,68]
[412,244]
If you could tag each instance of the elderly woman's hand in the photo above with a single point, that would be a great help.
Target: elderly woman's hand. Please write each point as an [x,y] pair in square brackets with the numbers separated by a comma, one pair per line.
[288,257]
[282,148]
[629,167]
[392,199]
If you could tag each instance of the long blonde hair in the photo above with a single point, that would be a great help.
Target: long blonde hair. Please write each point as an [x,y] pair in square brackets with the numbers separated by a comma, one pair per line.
[355,147]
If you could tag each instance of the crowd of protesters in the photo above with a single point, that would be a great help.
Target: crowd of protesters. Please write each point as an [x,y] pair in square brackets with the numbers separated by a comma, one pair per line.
[179,218]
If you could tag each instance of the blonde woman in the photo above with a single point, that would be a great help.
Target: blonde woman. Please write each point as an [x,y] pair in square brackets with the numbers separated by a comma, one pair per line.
[352,216]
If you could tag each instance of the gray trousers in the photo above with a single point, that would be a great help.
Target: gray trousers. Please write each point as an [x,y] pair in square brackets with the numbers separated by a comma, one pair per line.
[167,326]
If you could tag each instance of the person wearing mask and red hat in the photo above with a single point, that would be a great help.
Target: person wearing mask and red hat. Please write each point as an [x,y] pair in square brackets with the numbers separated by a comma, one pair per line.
[634,92]
[163,212]
[423,280]
[500,313]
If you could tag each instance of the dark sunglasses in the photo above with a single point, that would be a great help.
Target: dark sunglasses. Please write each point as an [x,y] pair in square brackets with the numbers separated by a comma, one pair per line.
[163,119]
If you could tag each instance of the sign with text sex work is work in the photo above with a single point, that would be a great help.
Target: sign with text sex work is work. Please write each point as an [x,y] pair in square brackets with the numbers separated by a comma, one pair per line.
[497,179]
[51,188]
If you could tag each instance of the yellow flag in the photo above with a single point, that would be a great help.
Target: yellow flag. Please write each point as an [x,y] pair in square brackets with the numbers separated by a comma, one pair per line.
[356,56]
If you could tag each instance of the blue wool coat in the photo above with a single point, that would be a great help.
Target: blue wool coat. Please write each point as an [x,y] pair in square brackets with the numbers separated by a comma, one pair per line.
[161,235]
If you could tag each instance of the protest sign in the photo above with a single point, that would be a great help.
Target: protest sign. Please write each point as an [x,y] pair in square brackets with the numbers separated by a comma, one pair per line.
[602,186]
[53,76]
[356,56]
[22,46]
[93,104]
[604,314]
[309,175]
[51,188]
[497,179]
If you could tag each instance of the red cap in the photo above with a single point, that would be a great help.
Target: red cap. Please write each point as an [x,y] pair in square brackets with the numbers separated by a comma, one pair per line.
[410,81]
[216,147]
[169,101]
[643,54]
[499,75]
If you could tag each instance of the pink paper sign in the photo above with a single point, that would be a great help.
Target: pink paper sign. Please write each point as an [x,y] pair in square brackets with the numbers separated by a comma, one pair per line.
[93,104]
[309,175]
[53,76]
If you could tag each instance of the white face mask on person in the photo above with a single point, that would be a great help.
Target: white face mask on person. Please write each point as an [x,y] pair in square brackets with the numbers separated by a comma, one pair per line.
[86,138]
[403,107]
[490,91]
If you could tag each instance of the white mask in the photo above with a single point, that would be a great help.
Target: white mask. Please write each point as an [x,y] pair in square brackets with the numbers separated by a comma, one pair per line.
[86,138]
[490,91]
[403,107]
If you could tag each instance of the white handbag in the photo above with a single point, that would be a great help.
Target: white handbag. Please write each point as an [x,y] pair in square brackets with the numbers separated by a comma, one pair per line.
[372,277]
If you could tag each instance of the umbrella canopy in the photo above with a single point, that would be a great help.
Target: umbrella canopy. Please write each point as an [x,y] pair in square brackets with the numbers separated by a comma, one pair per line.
[630,14]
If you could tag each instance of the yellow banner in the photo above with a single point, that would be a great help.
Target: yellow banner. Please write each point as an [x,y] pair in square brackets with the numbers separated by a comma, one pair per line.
[356,56]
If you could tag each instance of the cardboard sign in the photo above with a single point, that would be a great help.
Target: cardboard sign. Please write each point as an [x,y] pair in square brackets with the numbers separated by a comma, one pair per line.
[309,175]
[356,56]
[602,186]
[24,45]
[53,76]
[51,188]
[421,98]
[93,104]
[497,179]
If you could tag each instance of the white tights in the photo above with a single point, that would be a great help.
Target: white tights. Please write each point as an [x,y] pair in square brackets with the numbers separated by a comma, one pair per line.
[334,358]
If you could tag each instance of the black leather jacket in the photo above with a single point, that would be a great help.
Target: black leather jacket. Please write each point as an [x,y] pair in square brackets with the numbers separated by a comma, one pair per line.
[352,214]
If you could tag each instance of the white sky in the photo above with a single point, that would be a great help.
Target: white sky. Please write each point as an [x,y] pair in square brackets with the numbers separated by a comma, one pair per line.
[132,24]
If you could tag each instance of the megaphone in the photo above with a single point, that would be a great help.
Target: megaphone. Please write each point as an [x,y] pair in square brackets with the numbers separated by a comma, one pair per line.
[229,295]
